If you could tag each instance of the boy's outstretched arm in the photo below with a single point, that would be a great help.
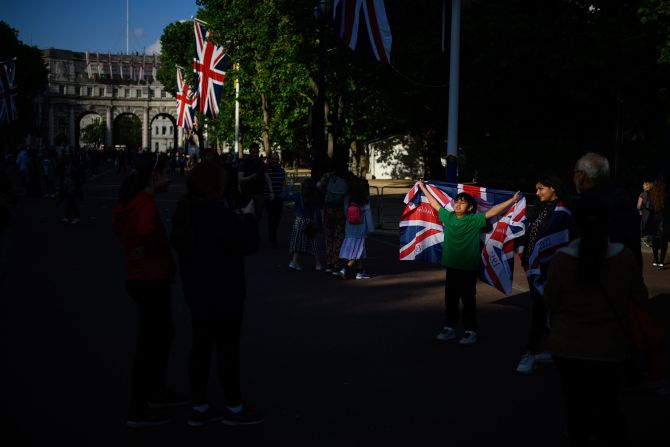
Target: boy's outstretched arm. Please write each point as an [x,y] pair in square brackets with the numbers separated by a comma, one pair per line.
[433,202]
[501,207]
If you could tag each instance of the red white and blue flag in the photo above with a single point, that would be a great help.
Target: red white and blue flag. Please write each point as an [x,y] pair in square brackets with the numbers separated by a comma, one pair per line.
[555,235]
[422,232]
[209,70]
[185,103]
[8,91]
[363,25]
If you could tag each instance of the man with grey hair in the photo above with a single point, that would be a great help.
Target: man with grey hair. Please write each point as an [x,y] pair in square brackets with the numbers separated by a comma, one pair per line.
[593,182]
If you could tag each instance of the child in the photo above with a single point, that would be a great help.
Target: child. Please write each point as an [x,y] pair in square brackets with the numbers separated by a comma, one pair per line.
[306,225]
[358,225]
[461,255]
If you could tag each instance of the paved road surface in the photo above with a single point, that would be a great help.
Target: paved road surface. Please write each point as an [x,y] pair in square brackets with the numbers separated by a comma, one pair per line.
[330,362]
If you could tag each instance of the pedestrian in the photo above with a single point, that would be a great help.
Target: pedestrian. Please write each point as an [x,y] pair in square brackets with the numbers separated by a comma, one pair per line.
[658,222]
[461,255]
[275,203]
[358,224]
[335,187]
[137,223]
[643,206]
[7,204]
[49,173]
[71,187]
[211,239]
[253,180]
[306,225]
[548,229]
[590,283]
[22,160]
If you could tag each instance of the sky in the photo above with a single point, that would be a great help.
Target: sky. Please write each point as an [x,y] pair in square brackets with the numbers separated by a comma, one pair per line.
[94,25]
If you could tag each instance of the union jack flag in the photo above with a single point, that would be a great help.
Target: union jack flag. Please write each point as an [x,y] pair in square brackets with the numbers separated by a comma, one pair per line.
[8,91]
[88,66]
[209,70]
[555,235]
[185,103]
[144,58]
[109,63]
[378,39]
[421,231]
[98,64]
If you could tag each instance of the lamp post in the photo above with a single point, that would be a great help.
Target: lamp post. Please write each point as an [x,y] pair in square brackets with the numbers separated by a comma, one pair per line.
[452,129]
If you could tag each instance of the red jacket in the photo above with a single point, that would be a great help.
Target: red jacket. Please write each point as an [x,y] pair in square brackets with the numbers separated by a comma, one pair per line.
[140,228]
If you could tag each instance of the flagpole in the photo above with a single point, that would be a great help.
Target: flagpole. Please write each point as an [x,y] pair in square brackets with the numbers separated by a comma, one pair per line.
[452,128]
[127,28]
[237,111]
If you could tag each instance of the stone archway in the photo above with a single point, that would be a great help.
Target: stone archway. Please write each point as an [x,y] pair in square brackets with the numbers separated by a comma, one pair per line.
[163,132]
[84,119]
[127,131]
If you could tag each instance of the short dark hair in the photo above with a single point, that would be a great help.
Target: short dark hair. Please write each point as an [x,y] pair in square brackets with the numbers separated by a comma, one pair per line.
[553,181]
[470,201]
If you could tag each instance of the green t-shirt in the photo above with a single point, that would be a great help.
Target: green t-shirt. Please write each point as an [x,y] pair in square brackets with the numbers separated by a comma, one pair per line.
[462,246]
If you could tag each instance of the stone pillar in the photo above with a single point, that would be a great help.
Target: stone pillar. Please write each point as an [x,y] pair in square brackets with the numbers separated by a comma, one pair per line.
[72,128]
[51,126]
[109,136]
[145,130]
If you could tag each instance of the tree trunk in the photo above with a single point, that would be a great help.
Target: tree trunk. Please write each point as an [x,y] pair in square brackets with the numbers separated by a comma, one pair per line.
[265,133]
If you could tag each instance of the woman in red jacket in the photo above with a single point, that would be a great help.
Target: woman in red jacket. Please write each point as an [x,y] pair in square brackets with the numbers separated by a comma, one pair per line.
[151,268]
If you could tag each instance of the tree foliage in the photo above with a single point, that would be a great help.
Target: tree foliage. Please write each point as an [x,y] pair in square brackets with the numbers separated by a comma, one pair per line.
[93,134]
[31,80]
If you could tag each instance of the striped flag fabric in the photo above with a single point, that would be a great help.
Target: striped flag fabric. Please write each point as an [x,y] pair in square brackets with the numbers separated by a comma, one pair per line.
[88,66]
[185,103]
[363,25]
[154,68]
[555,235]
[8,91]
[422,234]
[209,69]
[109,63]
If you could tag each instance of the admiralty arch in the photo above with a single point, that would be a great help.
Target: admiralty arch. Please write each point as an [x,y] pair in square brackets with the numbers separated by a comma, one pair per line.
[95,86]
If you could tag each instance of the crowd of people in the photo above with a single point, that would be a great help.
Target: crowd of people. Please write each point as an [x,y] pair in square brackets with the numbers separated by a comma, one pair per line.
[588,314]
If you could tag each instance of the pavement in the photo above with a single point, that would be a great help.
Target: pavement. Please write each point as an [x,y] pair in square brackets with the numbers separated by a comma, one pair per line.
[329,362]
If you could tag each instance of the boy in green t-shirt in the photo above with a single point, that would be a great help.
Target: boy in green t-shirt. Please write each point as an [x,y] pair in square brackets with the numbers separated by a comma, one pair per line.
[461,255]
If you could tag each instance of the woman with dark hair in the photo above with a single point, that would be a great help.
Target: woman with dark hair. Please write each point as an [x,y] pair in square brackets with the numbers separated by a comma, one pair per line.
[151,268]
[656,226]
[548,229]
[211,239]
[590,284]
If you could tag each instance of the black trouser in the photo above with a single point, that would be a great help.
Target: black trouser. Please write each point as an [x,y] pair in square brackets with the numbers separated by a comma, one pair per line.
[460,285]
[659,244]
[538,320]
[155,333]
[593,408]
[224,334]
[275,208]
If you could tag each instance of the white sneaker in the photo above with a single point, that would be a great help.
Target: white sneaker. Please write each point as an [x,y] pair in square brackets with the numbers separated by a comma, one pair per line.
[469,338]
[527,363]
[75,221]
[318,268]
[544,357]
[362,275]
[342,273]
[294,266]
[446,334]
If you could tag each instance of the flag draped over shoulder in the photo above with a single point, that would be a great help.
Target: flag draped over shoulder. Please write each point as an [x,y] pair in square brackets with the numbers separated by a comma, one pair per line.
[363,25]
[185,103]
[421,232]
[555,235]
[8,91]
[209,69]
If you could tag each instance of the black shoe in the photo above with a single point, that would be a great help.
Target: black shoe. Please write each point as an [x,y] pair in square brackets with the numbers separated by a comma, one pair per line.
[201,418]
[167,399]
[244,417]
[147,418]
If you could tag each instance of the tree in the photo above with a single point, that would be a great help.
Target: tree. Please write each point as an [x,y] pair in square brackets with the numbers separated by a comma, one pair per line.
[94,133]
[31,81]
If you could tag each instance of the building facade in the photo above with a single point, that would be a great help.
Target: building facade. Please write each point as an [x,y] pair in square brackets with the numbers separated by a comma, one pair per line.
[85,87]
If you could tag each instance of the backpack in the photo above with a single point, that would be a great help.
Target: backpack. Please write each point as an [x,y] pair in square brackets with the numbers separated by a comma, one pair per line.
[354,213]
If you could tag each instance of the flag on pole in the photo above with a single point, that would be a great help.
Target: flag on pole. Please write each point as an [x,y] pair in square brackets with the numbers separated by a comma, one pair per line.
[88,66]
[8,91]
[185,103]
[144,58]
[209,70]
[154,69]
[132,68]
[99,65]
[422,236]
[121,68]
[363,26]
[109,61]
